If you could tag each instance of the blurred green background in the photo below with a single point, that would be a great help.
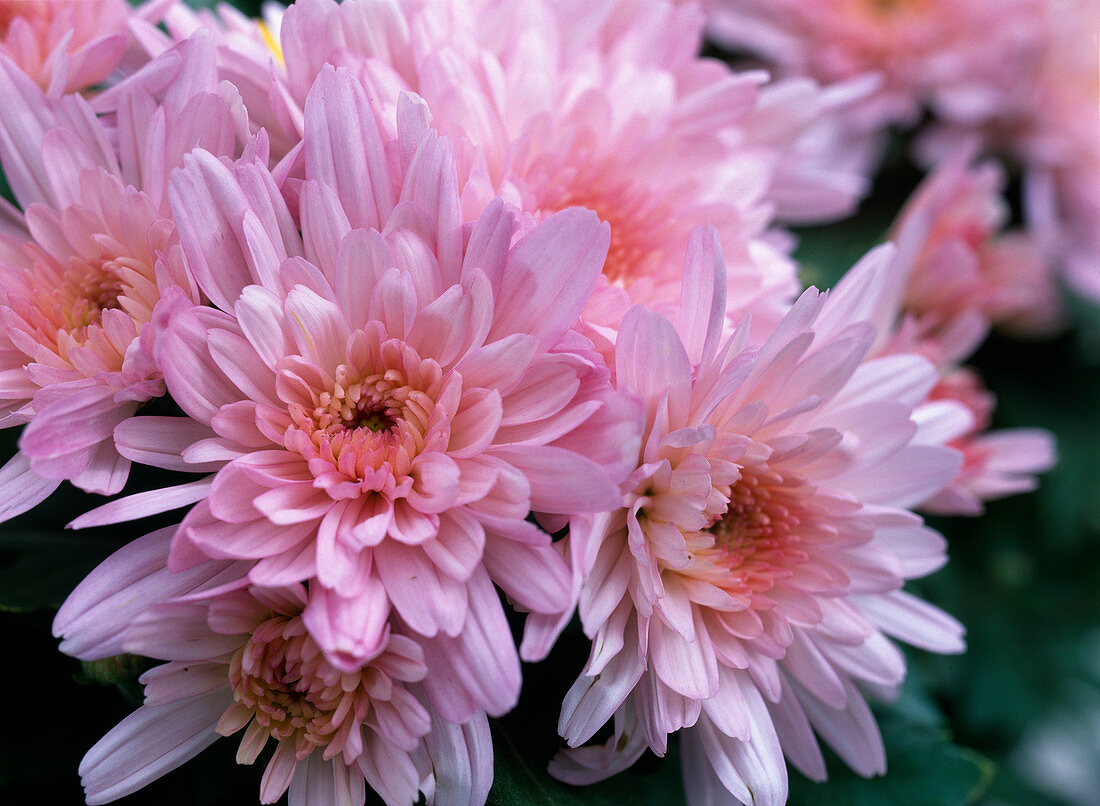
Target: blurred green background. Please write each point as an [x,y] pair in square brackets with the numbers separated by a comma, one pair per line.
[1015,721]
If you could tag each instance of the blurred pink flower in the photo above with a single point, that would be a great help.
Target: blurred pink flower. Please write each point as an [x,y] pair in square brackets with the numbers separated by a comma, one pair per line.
[958,261]
[961,58]
[1053,128]
[383,406]
[744,592]
[244,660]
[957,411]
[83,270]
[1048,124]
[996,463]
[73,45]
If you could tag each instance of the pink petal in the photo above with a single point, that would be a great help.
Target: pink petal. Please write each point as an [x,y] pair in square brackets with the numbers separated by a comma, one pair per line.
[425,597]
[344,149]
[561,481]
[160,441]
[350,630]
[149,743]
[560,260]
[22,488]
[140,505]
[92,619]
[481,658]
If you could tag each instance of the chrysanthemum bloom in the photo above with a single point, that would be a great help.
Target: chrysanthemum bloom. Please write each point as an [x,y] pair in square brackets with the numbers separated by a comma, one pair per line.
[65,45]
[962,58]
[1054,132]
[954,277]
[996,463]
[959,262]
[243,663]
[385,407]
[603,105]
[99,248]
[744,592]
[1048,125]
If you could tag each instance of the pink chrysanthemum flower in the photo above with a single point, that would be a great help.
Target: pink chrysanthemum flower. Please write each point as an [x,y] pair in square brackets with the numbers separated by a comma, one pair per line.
[603,105]
[83,269]
[958,261]
[962,58]
[949,281]
[384,409]
[243,663]
[1055,134]
[1048,125]
[996,463]
[64,45]
[744,592]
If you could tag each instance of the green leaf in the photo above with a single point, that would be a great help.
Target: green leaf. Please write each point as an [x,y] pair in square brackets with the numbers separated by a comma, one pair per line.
[924,769]
[520,778]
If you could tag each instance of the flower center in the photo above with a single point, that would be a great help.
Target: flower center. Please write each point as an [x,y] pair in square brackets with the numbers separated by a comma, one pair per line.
[887,9]
[99,292]
[640,220]
[756,541]
[288,691]
[377,412]
[636,221]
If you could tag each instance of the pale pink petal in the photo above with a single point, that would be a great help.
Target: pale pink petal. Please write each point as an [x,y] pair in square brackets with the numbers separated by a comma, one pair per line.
[140,505]
[914,621]
[481,659]
[139,749]
[318,782]
[23,488]
[344,150]
[559,260]
[160,441]
[349,630]
[93,618]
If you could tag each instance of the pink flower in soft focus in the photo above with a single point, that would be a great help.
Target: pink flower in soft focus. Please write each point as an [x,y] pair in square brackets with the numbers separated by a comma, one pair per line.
[961,58]
[743,593]
[64,45]
[82,271]
[605,105]
[996,463]
[383,403]
[957,410]
[243,663]
[1048,125]
[1053,130]
[958,261]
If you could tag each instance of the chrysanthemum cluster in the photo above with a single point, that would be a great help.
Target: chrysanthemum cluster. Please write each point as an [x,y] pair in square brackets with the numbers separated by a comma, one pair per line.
[458,299]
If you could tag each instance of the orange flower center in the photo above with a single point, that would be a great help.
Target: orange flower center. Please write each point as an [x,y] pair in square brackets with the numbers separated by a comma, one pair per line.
[377,414]
[283,688]
[756,542]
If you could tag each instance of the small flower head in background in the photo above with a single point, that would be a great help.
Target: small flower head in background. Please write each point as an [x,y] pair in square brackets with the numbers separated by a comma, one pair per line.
[961,58]
[958,262]
[65,45]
